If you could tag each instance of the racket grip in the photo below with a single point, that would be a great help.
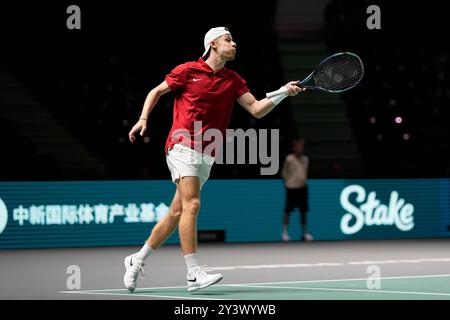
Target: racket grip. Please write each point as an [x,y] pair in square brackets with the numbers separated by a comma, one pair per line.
[283,91]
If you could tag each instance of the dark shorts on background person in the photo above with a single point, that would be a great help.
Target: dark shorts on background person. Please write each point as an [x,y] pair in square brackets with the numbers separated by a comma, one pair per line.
[297,198]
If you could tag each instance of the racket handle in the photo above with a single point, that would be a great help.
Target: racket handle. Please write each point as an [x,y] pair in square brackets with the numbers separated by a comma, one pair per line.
[283,91]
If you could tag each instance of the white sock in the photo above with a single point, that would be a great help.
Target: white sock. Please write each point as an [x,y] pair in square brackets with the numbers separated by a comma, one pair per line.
[143,253]
[191,261]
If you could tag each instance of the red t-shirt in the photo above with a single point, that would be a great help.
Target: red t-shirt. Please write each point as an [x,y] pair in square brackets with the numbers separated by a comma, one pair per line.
[201,95]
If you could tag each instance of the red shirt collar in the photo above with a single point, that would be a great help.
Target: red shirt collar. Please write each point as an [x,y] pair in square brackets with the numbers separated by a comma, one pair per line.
[206,66]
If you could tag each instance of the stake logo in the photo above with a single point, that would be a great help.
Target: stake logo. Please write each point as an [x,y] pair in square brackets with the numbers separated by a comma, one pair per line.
[3,216]
[370,211]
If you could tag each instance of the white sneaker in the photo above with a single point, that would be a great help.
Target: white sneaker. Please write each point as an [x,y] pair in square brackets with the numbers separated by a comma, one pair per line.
[199,279]
[133,268]
[286,236]
[308,237]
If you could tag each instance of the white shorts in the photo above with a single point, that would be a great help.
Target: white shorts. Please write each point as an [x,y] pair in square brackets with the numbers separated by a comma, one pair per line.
[184,161]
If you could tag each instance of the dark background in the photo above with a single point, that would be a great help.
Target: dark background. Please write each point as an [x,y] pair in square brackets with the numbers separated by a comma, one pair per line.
[94,81]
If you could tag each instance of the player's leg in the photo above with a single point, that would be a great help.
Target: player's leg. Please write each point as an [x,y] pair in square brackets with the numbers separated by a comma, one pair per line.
[165,227]
[304,209]
[289,206]
[285,234]
[134,263]
[189,188]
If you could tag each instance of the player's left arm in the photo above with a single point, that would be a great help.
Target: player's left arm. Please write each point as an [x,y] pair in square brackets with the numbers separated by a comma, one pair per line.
[259,108]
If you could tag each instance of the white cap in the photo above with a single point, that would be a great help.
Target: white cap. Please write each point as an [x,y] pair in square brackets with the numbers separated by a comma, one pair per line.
[212,35]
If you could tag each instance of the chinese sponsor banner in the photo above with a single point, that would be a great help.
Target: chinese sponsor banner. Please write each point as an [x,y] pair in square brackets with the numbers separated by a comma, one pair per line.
[108,213]
[87,214]
[84,213]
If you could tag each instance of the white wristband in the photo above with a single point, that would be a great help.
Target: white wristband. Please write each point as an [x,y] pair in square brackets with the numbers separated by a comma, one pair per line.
[277,96]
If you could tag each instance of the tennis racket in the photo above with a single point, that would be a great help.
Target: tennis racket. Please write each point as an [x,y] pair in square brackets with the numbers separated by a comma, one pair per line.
[337,73]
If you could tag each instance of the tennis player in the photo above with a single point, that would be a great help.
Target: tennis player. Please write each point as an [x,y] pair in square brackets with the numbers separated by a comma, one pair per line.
[204,90]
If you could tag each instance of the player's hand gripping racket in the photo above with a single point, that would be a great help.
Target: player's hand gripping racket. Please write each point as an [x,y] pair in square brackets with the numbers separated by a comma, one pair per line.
[337,73]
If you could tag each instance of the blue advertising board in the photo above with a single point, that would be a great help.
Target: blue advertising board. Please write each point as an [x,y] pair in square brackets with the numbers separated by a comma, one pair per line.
[112,213]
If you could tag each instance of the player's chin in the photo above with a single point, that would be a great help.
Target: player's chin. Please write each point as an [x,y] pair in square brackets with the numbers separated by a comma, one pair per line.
[231,56]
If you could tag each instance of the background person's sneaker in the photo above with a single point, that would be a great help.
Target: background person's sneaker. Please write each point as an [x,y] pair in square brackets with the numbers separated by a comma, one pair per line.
[199,279]
[133,268]
[307,237]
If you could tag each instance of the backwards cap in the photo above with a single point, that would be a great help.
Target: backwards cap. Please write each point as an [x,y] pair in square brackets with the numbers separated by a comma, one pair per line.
[212,35]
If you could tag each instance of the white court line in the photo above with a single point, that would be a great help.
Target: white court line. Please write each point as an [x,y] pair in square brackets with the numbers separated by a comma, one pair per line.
[401,261]
[337,280]
[271,266]
[328,264]
[255,284]
[140,295]
[357,290]
[101,290]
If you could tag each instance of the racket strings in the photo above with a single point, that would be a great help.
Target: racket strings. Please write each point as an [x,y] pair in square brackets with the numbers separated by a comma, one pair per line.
[339,72]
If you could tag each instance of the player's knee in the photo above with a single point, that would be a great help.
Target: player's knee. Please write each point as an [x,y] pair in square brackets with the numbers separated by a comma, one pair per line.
[175,213]
[192,206]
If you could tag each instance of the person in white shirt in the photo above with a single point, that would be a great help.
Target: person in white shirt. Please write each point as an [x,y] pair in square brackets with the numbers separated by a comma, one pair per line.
[295,175]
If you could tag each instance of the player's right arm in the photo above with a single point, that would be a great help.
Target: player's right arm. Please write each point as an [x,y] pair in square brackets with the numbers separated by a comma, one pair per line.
[150,102]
